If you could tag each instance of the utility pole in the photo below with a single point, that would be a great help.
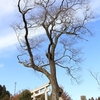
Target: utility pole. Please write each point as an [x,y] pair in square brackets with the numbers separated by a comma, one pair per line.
[15,88]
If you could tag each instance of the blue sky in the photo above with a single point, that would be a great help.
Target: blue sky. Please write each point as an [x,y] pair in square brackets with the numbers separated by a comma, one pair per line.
[11,71]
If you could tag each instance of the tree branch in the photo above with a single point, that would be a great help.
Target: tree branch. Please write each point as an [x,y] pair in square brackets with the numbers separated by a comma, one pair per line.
[95,77]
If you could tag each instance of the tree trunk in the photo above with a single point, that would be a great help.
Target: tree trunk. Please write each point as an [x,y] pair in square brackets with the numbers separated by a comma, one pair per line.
[54,83]
[55,91]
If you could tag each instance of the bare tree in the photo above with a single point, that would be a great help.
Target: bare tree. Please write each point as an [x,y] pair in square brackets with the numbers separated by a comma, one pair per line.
[63,26]
[96,76]
[65,95]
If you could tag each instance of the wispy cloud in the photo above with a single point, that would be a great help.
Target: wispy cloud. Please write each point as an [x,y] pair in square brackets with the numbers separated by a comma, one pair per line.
[7,40]
[95,6]
[7,10]
[2,65]
[8,43]
[7,36]
[7,6]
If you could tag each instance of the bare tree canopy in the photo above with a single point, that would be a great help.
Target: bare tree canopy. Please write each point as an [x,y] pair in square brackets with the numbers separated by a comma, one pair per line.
[63,23]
